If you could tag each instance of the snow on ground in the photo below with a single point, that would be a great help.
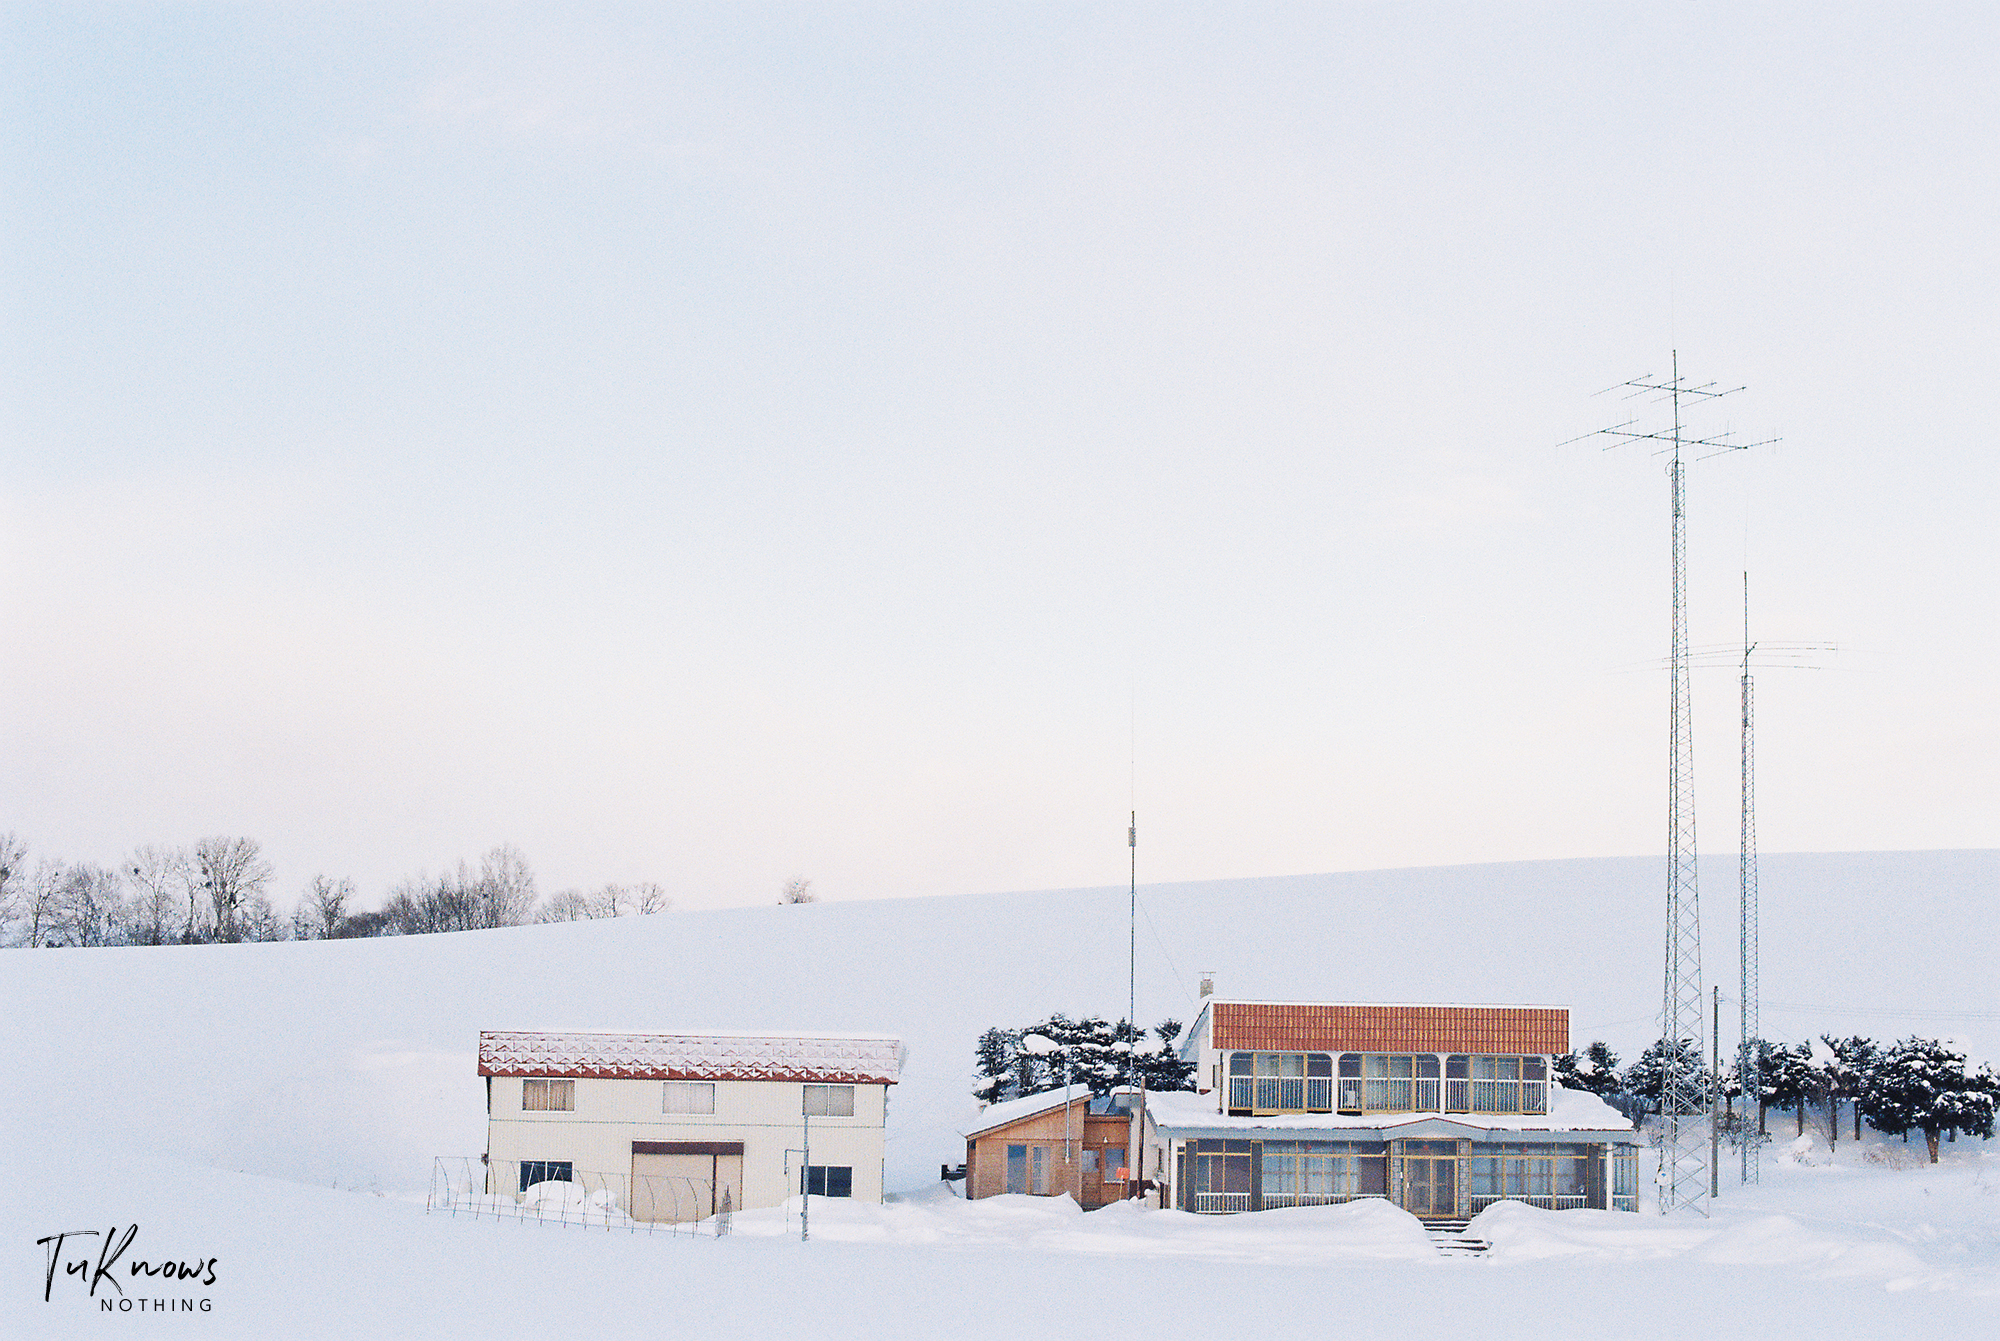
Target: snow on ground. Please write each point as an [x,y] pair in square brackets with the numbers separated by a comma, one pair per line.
[276,1107]
[1853,1251]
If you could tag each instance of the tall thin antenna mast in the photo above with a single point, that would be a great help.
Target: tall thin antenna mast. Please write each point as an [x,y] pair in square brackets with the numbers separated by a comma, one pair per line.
[1132,961]
[1747,1060]
[1683,1178]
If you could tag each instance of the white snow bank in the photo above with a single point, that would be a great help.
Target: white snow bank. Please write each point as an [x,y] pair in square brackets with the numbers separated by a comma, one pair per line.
[1359,1231]
[1518,1232]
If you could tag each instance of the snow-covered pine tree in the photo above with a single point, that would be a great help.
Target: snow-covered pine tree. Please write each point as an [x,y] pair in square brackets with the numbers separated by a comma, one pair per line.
[1790,1079]
[1594,1070]
[1646,1078]
[994,1057]
[1160,1065]
[1922,1084]
[1847,1063]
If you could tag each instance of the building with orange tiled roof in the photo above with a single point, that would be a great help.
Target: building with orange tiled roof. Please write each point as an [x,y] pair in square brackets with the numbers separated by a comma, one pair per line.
[1441,1109]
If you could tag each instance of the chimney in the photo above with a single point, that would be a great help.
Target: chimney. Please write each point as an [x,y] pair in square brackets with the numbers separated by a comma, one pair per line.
[1208,983]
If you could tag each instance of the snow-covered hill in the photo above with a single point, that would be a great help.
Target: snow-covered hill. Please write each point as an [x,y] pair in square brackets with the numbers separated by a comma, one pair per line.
[351,1063]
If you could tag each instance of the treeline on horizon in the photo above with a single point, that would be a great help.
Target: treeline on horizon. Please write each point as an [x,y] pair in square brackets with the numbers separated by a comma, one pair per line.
[1913,1085]
[219,890]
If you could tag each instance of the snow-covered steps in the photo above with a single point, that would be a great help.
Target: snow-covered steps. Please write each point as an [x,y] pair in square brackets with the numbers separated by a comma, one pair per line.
[1452,1240]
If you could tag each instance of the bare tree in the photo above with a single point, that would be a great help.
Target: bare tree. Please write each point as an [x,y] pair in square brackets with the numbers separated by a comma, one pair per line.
[41,906]
[322,908]
[13,882]
[231,870]
[573,905]
[798,890]
[569,905]
[501,893]
[646,898]
[157,876]
[505,888]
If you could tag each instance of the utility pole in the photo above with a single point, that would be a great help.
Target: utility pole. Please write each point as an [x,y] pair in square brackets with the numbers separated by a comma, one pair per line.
[1715,1099]
[805,1170]
[1749,1062]
[1682,1099]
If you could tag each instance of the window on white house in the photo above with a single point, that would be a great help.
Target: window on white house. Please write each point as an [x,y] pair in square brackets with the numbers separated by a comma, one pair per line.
[548,1096]
[545,1171]
[829,1180]
[829,1101]
[689,1096]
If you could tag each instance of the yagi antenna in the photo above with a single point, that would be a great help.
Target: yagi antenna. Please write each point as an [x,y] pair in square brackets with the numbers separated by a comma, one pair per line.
[1685,1172]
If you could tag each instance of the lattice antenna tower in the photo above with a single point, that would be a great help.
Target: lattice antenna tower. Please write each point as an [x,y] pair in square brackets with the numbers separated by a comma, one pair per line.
[1683,1178]
[1747,1061]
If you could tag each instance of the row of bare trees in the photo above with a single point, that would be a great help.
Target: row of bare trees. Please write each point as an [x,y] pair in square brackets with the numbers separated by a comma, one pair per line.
[219,889]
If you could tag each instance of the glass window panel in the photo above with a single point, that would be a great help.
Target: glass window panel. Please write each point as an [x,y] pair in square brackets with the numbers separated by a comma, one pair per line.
[1541,1177]
[1399,1095]
[1267,1093]
[1427,1067]
[1267,1063]
[1378,1094]
[1402,1067]
[1455,1068]
[1376,1066]
[1350,1064]
[1240,1063]
[1017,1168]
[1506,1096]
[1482,1068]
[1534,1068]
[1373,1176]
[1319,1064]
[689,1096]
[1293,1094]
[1482,1097]
[1506,1068]
[1236,1173]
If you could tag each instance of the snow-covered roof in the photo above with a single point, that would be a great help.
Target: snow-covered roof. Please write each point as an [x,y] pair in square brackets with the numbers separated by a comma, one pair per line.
[839,1059]
[1028,1105]
[1179,1111]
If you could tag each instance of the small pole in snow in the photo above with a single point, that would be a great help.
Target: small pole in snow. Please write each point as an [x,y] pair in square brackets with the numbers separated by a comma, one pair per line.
[1715,1096]
[805,1170]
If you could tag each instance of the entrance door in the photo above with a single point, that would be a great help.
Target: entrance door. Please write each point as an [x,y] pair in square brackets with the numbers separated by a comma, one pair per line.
[729,1182]
[673,1189]
[1430,1187]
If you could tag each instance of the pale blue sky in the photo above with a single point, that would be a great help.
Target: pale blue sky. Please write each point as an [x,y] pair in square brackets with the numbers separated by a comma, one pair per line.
[711,444]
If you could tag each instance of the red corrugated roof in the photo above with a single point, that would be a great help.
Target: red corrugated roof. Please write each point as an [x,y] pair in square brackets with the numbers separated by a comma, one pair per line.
[606,1056]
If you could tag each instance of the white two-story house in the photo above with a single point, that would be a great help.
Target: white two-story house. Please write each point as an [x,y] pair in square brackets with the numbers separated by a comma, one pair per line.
[675,1127]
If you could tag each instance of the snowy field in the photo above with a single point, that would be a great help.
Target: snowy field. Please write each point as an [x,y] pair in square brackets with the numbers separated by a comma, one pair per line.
[276,1107]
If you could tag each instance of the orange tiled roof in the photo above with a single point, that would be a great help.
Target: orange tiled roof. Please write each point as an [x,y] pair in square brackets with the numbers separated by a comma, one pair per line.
[1304,1027]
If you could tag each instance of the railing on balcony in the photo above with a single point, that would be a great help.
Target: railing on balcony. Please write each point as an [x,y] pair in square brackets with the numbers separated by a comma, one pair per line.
[1221,1203]
[1274,1201]
[1548,1203]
